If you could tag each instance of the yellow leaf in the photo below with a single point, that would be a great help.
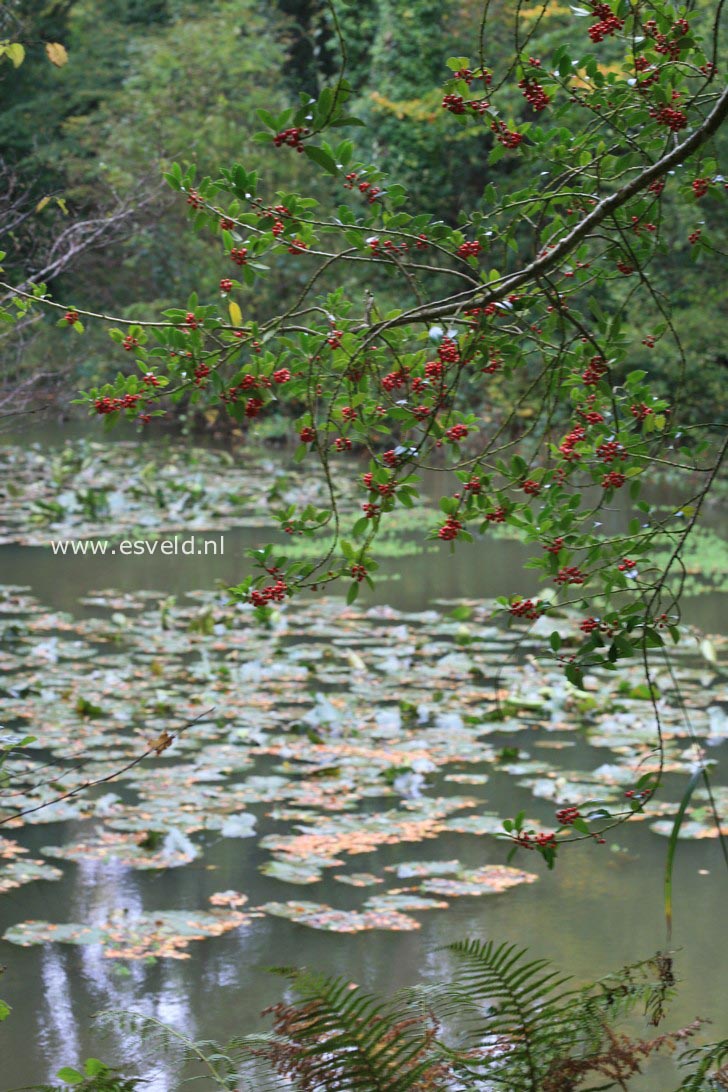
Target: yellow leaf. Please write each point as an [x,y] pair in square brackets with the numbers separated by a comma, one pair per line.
[42,204]
[16,52]
[56,54]
[660,421]
[236,315]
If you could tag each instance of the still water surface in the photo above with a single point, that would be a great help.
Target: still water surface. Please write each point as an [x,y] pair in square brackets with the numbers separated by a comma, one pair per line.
[599,909]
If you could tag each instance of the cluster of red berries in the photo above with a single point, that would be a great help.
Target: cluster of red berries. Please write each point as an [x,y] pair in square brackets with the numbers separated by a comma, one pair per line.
[608,23]
[226,223]
[293,137]
[643,64]
[456,104]
[371,190]
[334,339]
[191,322]
[509,138]
[596,369]
[525,608]
[649,341]
[110,405]
[625,268]
[570,574]
[640,411]
[667,47]
[358,572]
[467,76]
[693,237]
[636,225]
[531,488]
[456,433]
[394,380]
[297,246]
[371,511]
[494,363]
[700,186]
[569,442]
[469,250]
[342,443]
[201,373]
[129,343]
[448,351]
[498,515]
[474,486]
[611,450]
[566,816]
[656,187]
[253,407]
[150,380]
[626,564]
[421,413]
[555,546]
[450,529]
[226,285]
[613,480]
[485,312]
[239,254]
[631,794]
[307,435]
[273,593]
[194,200]
[250,382]
[534,94]
[671,117]
[530,841]
[71,316]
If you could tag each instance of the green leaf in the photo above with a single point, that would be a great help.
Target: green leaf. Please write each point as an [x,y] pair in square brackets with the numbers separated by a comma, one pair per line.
[95,1068]
[70,1076]
[5,1010]
[574,675]
[322,158]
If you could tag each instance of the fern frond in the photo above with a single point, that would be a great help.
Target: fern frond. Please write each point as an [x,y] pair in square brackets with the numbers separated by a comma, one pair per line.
[709,1065]
[519,1011]
[339,1038]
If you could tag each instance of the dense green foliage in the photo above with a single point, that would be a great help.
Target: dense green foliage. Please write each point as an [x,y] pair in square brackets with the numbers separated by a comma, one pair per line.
[146,84]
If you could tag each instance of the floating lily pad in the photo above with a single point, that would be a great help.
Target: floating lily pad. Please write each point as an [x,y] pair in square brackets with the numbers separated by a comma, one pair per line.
[131,935]
[19,872]
[291,872]
[489,880]
[319,916]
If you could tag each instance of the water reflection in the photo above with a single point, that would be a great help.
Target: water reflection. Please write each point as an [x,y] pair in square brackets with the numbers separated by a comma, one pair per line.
[57,1017]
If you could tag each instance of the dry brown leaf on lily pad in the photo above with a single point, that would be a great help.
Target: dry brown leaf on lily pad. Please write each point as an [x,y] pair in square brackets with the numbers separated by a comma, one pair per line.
[125,934]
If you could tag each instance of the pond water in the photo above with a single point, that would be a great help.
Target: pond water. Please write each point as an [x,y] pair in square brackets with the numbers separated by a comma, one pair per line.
[600,908]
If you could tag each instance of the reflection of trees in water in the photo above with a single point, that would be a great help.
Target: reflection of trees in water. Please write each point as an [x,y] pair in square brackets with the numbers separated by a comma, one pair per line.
[56,1017]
